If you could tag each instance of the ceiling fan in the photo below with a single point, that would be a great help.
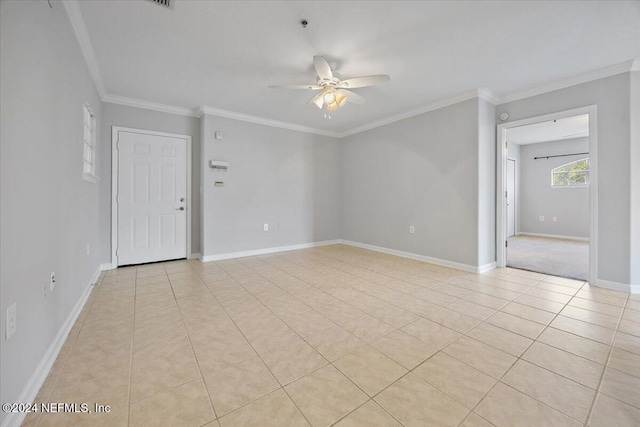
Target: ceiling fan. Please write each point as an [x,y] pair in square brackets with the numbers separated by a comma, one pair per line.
[334,92]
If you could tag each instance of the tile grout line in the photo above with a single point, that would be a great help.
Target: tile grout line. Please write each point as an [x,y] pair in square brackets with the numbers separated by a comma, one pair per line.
[369,398]
[133,335]
[410,371]
[440,350]
[507,371]
[329,362]
[606,365]
[64,362]
[257,354]
[256,270]
[193,352]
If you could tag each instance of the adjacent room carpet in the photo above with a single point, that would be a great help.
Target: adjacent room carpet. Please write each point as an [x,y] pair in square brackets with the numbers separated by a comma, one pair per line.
[559,257]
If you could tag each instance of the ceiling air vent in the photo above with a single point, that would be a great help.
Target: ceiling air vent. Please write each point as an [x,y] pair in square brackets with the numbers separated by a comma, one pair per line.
[165,3]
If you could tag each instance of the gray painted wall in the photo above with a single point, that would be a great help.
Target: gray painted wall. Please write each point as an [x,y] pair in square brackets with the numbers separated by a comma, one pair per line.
[276,176]
[48,213]
[537,197]
[422,171]
[486,182]
[612,98]
[139,118]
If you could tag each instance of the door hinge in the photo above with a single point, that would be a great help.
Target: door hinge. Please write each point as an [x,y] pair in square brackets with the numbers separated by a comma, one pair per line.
[506,244]
[506,144]
[505,194]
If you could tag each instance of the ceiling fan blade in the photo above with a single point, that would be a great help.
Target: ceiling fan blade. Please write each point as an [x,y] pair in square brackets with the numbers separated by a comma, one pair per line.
[312,87]
[322,67]
[317,100]
[352,96]
[363,81]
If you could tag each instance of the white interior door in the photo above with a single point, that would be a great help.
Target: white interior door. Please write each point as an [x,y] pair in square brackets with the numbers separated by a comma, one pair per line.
[511,197]
[151,200]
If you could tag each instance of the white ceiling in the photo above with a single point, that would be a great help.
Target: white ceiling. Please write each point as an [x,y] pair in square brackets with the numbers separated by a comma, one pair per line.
[553,130]
[224,54]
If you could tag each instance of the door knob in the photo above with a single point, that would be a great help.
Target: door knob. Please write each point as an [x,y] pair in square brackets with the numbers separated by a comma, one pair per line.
[181,208]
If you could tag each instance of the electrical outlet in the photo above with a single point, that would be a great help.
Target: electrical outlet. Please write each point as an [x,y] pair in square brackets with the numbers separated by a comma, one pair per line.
[541,218]
[12,321]
[555,219]
[88,248]
[266,227]
[52,282]
[412,229]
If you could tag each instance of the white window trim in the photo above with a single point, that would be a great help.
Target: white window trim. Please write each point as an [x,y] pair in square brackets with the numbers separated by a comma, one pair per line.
[90,176]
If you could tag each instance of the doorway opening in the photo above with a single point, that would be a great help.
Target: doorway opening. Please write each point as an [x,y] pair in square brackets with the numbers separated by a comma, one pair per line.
[547,176]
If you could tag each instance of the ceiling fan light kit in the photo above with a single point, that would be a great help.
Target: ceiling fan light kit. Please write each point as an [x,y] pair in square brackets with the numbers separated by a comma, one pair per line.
[333,91]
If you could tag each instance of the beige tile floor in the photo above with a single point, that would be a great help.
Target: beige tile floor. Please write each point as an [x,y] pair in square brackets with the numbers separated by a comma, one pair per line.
[342,336]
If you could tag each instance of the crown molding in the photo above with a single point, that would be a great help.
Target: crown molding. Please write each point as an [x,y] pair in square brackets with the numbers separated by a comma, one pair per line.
[436,105]
[164,108]
[601,73]
[82,37]
[488,95]
[263,121]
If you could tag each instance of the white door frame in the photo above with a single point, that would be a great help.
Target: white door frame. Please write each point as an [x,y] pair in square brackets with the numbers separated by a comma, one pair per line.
[515,196]
[114,185]
[501,182]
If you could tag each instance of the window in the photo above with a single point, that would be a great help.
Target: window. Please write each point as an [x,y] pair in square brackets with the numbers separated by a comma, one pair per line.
[89,146]
[574,174]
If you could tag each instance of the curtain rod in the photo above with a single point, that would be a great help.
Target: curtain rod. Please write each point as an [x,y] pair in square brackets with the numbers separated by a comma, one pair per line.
[559,155]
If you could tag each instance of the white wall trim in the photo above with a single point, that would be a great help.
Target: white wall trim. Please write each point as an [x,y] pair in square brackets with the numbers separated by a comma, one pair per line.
[635,289]
[194,256]
[138,103]
[430,260]
[31,389]
[435,105]
[255,252]
[616,286]
[263,121]
[572,81]
[114,185]
[82,37]
[484,268]
[107,266]
[553,236]
[501,181]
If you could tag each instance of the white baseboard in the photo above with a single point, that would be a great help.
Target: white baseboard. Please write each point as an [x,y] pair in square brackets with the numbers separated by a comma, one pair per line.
[242,254]
[31,389]
[554,236]
[436,261]
[194,256]
[107,266]
[615,286]
[635,289]
[486,267]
